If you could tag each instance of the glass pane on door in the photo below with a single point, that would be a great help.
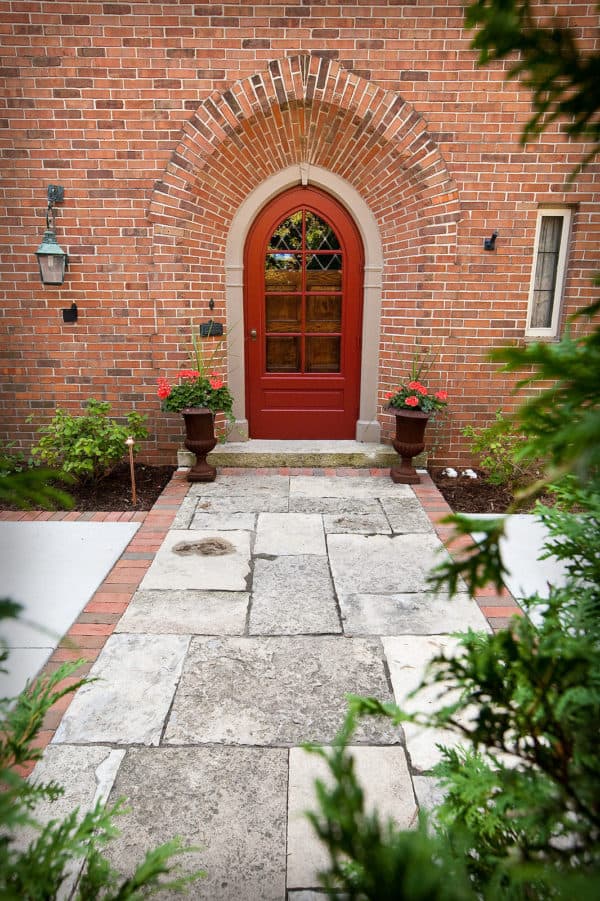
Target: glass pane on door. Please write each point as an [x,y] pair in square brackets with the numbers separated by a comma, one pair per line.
[323,313]
[323,353]
[283,354]
[303,296]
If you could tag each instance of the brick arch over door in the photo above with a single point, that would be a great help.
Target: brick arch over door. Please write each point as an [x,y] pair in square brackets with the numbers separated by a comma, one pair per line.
[304,115]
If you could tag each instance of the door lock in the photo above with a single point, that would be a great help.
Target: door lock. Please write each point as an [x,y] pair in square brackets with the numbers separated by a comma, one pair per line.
[253,334]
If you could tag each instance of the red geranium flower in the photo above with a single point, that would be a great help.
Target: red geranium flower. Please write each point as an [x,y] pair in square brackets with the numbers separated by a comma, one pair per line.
[412,401]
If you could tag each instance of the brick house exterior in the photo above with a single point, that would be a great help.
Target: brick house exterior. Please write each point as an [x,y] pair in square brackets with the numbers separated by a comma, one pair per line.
[171,125]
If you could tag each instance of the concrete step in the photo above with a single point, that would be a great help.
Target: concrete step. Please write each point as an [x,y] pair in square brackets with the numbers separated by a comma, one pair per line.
[267,453]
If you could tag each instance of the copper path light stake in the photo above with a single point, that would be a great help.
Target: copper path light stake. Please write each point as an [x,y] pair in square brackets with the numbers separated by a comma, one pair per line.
[130,442]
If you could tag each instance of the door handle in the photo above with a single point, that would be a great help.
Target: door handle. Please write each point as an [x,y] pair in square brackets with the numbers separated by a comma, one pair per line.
[253,334]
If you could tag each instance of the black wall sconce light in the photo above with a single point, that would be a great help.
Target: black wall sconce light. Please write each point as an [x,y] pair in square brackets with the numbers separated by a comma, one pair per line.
[70,313]
[52,259]
[490,243]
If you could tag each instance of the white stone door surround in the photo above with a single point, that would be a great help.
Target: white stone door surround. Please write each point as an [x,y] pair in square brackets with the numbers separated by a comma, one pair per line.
[368,428]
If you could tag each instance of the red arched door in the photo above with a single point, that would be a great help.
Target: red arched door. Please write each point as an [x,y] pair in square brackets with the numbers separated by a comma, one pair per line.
[303,318]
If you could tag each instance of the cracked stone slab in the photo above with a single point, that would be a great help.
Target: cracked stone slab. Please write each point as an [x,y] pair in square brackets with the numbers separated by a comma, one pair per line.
[290,533]
[378,564]
[384,777]
[408,657]
[137,676]
[249,484]
[86,774]
[186,612]
[221,572]
[274,691]
[406,514]
[224,522]
[243,503]
[361,523]
[351,486]
[293,595]
[230,803]
[419,613]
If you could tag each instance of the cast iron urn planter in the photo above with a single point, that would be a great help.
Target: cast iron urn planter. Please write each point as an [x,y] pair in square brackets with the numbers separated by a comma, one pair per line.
[200,440]
[409,441]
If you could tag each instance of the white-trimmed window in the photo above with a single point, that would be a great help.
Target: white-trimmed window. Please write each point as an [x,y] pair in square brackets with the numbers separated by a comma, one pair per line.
[548,275]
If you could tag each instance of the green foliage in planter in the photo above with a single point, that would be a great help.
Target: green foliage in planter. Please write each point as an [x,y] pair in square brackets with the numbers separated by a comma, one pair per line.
[499,448]
[87,446]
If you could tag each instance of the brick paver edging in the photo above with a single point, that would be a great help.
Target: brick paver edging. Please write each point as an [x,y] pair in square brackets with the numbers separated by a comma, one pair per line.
[88,634]
[497,608]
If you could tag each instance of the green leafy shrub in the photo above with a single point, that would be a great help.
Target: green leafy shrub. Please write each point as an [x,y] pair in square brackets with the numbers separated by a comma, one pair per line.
[11,460]
[87,446]
[499,448]
[521,815]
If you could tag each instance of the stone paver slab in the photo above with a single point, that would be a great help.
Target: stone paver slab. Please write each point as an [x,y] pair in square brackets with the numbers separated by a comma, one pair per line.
[333,505]
[290,533]
[406,514]
[86,774]
[276,691]
[243,503]
[185,514]
[228,802]
[378,564]
[384,777]
[361,523]
[418,613]
[350,486]
[429,792]
[250,484]
[224,522]
[201,571]
[137,675]
[186,613]
[408,657]
[293,596]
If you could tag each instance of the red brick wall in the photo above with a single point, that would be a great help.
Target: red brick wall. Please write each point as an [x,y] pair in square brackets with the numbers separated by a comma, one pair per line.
[159,119]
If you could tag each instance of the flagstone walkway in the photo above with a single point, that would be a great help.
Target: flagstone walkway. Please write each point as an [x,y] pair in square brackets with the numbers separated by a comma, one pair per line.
[230,632]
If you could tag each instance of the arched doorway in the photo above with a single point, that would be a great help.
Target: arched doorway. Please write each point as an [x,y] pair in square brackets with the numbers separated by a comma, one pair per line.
[303,293]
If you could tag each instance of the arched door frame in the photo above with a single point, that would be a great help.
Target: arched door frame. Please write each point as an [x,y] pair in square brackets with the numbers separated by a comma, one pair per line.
[367,426]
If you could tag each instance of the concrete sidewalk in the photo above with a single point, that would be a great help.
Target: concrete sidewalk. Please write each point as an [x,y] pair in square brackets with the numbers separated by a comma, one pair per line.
[250,608]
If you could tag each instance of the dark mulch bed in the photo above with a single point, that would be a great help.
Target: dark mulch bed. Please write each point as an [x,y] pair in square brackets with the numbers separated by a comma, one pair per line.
[113,493]
[463,494]
[467,495]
